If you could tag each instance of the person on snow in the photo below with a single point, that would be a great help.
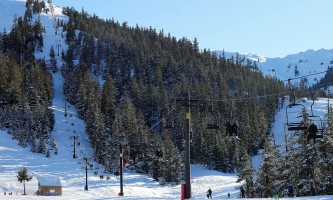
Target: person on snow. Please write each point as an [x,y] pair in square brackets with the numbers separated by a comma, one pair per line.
[242,192]
[276,193]
[290,191]
[209,193]
[312,132]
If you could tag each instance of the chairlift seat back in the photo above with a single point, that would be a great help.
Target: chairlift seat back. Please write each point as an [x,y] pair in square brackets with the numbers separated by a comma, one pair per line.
[297,128]
[212,126]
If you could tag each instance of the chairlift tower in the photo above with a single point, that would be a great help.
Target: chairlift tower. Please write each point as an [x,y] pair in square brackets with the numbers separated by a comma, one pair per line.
[188,102]
[86,186]
[187,151]
[121,193]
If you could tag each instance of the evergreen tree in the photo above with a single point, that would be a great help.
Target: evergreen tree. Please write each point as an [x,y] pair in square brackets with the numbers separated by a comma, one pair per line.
[267,174]
[53,61]
[109,101]
[245,172]
[23,176]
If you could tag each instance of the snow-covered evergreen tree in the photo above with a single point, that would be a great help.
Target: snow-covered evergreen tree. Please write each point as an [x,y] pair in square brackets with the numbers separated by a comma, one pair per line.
[267,174]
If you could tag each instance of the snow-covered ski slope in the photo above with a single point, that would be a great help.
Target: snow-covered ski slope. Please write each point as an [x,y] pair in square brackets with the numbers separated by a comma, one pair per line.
[71,171]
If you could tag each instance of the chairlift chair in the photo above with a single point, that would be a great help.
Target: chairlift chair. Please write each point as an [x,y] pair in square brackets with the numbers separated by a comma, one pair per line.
[295,125]
[318,122]
[168,121]
[231,129]
[168,124]
[214,123]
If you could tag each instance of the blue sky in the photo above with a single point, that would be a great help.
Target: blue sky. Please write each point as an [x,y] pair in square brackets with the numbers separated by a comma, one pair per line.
[273,28]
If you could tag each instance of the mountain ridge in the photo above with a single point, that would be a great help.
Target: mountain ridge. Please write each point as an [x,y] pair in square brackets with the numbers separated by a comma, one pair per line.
[293,65]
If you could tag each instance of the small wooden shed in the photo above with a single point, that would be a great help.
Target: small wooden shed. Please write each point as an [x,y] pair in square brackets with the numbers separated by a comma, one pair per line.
[49,185]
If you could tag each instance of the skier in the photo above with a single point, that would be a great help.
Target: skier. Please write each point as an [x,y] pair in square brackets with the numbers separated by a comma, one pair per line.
[228,195]
[312,131]
[290,191]
[242,192]
[276,193]
[209,193]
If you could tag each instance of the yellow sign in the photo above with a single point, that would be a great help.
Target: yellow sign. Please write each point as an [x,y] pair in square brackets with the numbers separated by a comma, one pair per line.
[188,115]
[121,155]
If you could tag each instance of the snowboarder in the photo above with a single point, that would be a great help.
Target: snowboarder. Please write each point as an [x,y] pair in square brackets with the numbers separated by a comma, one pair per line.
[290,191]
[228,195]
[242,192]
[312,132]
[209,193]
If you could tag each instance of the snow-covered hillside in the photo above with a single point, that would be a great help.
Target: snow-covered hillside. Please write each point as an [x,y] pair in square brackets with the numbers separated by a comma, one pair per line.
[251,57]
[11,9]
[291,66]
[71,172]
[308,62]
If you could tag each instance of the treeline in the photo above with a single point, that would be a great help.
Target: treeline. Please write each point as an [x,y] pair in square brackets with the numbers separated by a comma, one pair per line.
[26,87]
[144,72]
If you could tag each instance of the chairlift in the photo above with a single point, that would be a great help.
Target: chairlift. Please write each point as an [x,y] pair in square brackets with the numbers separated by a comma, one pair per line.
[168,124]
[159,153]
[214,122]
[316,120]
[168,121]
[33,104]
[231,129]
[295,125]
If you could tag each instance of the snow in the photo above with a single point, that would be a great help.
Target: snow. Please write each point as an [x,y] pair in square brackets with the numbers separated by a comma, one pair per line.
[71,172]
[308,63]
[279,130]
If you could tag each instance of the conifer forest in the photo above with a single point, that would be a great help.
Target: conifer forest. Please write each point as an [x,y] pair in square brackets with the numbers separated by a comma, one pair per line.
[131,86]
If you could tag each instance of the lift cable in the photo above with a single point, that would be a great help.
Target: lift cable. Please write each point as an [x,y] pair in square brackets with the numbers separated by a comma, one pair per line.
[233,99]
[306,75]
